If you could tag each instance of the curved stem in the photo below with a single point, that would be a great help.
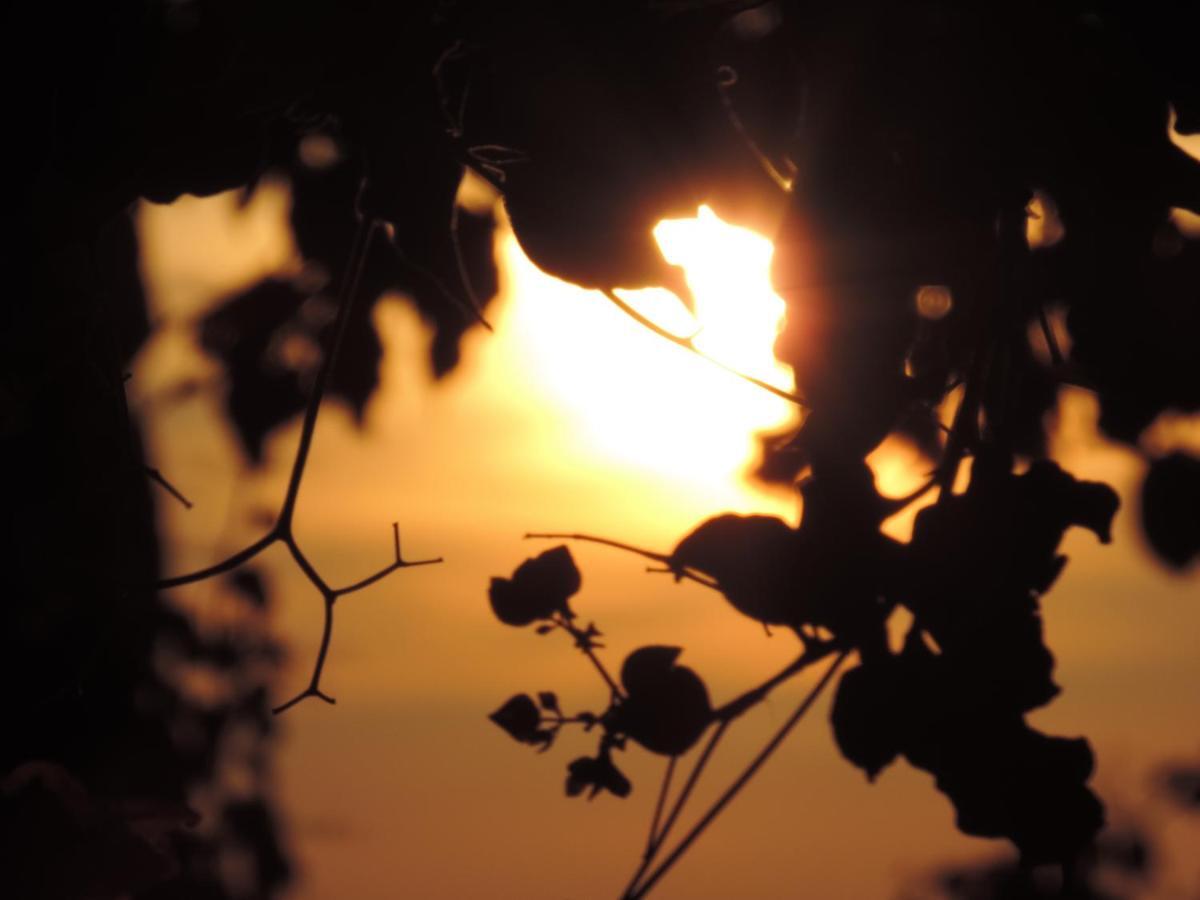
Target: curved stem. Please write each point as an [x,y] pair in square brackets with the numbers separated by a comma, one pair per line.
[226,565]
[666,560]
[688,343]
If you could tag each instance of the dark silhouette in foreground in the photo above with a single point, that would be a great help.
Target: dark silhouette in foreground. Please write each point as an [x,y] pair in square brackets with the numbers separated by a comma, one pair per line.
[898,153]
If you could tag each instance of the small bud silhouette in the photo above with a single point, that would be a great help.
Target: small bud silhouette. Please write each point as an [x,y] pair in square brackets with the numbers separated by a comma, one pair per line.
[597,773]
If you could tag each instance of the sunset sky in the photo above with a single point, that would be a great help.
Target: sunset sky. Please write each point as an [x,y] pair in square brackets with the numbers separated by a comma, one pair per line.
[571,417]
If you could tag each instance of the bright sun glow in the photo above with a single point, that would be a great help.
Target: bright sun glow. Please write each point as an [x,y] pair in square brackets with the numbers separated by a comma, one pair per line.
[639,398]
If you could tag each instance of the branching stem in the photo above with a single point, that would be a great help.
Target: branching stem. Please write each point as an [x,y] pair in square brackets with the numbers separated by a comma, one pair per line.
[282,532]
[584,642]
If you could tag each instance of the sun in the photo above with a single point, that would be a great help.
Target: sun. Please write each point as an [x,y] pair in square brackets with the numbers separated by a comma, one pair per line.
[638,398]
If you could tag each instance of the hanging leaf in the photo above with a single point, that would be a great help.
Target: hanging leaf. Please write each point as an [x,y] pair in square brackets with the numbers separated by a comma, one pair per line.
[667,706]
[752,559]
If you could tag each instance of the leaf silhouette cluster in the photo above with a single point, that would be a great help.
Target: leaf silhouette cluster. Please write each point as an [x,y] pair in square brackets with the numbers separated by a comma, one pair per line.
[917,288]
[660,705]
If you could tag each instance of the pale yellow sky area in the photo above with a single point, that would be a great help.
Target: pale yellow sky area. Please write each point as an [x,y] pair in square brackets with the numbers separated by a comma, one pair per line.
[572,417]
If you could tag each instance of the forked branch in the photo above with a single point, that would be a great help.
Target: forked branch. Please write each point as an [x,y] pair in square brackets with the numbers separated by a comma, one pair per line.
[282,531]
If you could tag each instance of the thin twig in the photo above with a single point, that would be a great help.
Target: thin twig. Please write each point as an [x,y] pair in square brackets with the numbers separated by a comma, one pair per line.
[282,532]
[724,716]
[653,840]
[226,565]
[1056,355]
[677,808]
[463,275]
[358,258]
[733,790]
[677,570]
[734,708]
[584,642]
[687,343]
[726,78]
[314,683]
[158,477]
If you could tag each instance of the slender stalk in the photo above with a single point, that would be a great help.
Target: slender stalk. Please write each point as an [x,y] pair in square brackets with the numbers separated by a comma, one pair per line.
[652,841]
[226,565]
[688,343]
[584,643]
[358,259]
[677,807]
[1056,355]
[158,477]
[739,705]
[665,559]
[733,790]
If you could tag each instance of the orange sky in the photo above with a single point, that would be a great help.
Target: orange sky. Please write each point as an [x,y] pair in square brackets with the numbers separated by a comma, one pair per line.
[571,417]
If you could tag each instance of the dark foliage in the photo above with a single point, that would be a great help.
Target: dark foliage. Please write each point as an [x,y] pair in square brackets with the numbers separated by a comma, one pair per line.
[917,139]
[539,589]
[1171,508]
[1119,865]
[898,147]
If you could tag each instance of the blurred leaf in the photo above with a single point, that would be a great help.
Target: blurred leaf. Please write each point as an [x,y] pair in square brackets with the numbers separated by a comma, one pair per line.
[1171,508]
[865,717]
[271,341]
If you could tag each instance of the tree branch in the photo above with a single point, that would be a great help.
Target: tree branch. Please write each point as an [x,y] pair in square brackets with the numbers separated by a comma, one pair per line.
[282,531]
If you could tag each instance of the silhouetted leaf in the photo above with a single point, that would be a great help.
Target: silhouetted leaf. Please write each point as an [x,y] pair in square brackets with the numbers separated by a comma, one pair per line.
[548,701]
[539,588]
[866,717]
[667,707]
[752,559]
[1171,508]
[520,718]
